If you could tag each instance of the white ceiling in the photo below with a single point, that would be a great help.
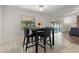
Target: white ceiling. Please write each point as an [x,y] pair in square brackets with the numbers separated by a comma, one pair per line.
[52,10]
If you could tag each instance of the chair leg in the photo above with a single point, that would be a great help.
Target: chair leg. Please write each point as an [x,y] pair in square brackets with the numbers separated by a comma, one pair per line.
[45,45]
[36,43]
[32,39]
[24,41]
[41,39]
[27,44]
[50,43]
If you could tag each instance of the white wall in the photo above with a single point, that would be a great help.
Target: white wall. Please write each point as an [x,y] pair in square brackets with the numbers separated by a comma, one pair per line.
[68,22]
[11,21]
[0,21]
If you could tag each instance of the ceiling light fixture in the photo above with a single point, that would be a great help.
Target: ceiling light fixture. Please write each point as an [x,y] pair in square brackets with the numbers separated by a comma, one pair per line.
[41,7]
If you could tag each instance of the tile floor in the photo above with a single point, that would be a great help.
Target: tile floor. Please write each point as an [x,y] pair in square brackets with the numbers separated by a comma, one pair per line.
[63,44]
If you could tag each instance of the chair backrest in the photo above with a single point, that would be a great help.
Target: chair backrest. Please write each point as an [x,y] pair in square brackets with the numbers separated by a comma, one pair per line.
[47,31]
[26,32]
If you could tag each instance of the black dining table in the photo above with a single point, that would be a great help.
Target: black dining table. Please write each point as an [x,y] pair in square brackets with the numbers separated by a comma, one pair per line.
[37,31]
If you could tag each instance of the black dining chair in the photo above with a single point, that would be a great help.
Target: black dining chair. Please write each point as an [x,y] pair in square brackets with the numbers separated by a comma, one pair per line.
[28,36]
[46,33]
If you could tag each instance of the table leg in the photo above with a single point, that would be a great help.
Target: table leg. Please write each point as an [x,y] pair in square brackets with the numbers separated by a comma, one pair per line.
[53,37]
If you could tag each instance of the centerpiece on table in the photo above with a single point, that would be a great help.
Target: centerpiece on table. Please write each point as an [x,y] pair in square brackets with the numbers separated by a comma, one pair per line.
[39,24]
